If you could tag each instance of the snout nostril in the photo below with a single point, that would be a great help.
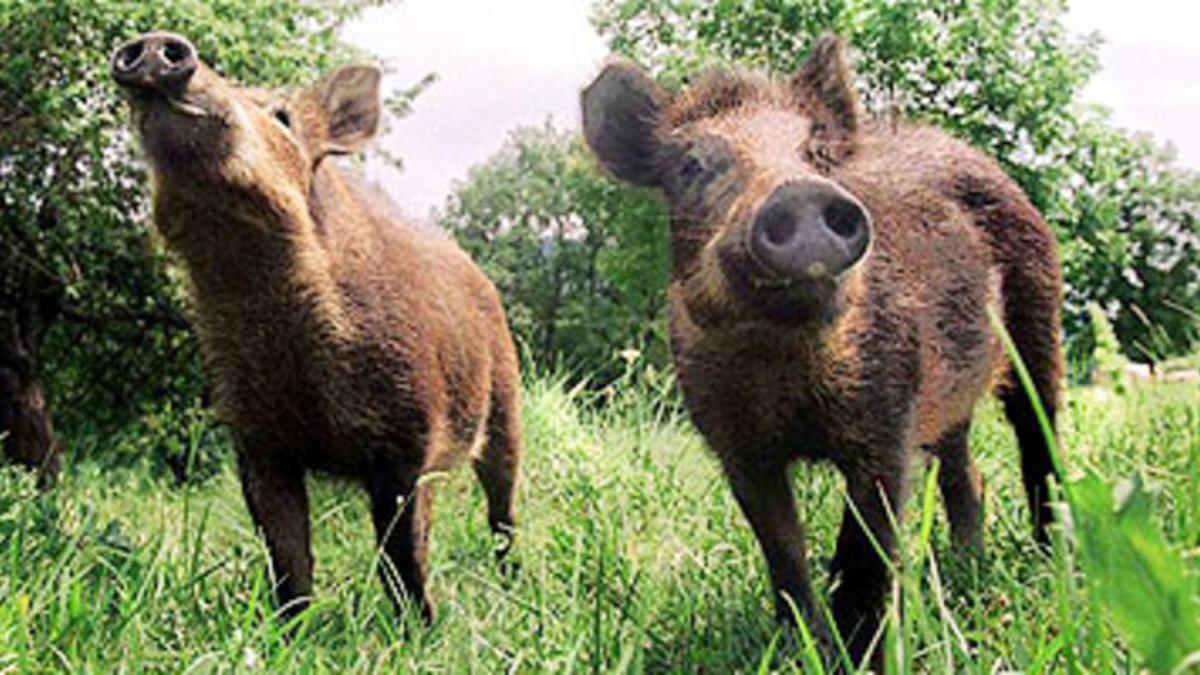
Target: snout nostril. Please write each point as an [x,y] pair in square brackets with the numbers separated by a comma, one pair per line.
[779,229]
[128,57]
[845,218]
[176,52]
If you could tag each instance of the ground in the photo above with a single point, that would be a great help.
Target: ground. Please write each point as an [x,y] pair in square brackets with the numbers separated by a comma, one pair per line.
[632,554]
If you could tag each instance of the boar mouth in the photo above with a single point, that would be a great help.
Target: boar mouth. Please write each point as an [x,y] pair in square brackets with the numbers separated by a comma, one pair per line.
[185,105]
[740,266]
[169,124]
[180,133]
[746,275]
[773,297]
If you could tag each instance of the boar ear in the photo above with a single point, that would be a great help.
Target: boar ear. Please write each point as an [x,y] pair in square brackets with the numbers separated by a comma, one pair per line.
[825,84]
[351,98]
[621,113]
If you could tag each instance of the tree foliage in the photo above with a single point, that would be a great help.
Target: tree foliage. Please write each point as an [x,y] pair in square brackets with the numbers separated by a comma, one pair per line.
[79,271]
[580,261]
[1004,75]
[1132,243]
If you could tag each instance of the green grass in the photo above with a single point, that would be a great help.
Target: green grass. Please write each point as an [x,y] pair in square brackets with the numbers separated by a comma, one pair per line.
[633,557]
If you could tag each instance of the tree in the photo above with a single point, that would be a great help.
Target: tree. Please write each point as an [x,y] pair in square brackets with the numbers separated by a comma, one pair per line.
[1133,250]
[88,303]
[1004,75]
[582,275]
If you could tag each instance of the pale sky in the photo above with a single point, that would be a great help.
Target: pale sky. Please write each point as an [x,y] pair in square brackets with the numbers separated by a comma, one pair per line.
[508,63]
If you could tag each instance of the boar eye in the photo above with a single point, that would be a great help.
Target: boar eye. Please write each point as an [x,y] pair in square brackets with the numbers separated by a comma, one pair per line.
[691,168]
[283,118]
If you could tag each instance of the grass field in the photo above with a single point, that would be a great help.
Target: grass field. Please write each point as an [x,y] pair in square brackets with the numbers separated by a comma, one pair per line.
[633,557]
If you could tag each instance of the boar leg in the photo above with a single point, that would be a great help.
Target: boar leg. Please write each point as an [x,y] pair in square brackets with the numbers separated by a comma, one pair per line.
[400,509]
[498,464]
[961,486]
[861,563]
[764,494]
[278,503]
[1037,466]
[1032,303]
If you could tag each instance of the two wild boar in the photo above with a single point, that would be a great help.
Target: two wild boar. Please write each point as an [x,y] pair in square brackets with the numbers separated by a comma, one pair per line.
[831,282]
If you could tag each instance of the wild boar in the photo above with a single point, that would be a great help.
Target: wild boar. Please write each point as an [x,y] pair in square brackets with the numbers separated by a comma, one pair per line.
[336,338]
[829,297]
[26,435]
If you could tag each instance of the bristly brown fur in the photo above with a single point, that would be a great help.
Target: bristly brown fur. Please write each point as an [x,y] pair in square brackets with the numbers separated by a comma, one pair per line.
[336,337]
[865,369]
[719,91]
[826,83]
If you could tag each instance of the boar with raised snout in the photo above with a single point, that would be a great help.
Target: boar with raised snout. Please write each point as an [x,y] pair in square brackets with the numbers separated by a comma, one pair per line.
[831,283]
[336,338]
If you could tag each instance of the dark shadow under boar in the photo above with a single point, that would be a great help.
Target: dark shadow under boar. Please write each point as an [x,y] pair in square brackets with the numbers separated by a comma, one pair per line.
[336,338]
[831,284]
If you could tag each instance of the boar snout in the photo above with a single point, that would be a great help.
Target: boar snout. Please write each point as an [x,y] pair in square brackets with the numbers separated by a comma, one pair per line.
[809,230]
[157,61]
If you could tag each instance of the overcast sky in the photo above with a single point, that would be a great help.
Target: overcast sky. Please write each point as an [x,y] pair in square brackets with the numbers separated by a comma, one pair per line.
[503,64]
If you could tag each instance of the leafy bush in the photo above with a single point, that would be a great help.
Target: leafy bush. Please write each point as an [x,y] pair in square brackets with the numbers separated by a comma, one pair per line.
[181,443]
[581,262]
[1137,576]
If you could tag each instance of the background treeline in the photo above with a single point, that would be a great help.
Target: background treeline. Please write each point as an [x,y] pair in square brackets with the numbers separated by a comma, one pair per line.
[581,263]
[93,315]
